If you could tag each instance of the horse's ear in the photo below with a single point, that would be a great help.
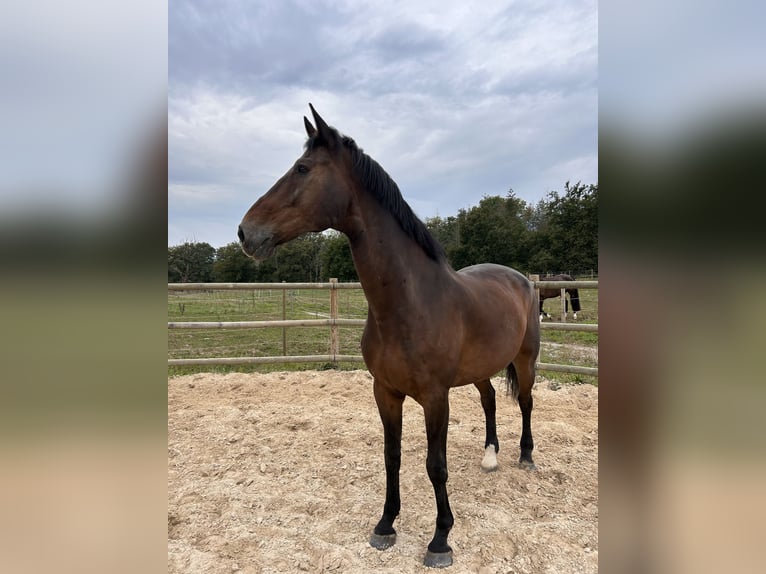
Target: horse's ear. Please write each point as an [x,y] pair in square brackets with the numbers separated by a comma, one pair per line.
[325,132]
[309,128]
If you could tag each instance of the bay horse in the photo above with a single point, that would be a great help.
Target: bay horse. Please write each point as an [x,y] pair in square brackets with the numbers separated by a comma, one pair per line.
[552,292]
[429,328]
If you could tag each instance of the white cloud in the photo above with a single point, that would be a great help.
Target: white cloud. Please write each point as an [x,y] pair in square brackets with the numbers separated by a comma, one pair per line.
[454,101]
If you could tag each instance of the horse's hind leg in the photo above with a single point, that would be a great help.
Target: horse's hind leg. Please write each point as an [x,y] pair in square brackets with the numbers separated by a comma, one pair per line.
[543,314]
[491,444]
[524,365]
[526,444]
[436,411]
[525,371]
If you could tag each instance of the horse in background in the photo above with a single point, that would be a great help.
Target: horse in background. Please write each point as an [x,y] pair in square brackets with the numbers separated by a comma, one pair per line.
[552,292]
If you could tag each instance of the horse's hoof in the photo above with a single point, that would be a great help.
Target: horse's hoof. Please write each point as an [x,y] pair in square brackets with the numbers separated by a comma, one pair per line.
[438,559]
[527,465]
[382,541]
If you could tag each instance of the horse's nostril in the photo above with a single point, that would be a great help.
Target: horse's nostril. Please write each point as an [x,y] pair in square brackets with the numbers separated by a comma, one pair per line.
[240,234]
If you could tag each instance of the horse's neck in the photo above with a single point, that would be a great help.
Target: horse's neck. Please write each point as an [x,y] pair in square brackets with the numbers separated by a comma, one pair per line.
[394,271]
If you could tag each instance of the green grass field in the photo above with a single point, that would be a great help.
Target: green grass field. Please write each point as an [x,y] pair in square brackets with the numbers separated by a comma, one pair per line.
[571,347]
[563,347]
[261,305]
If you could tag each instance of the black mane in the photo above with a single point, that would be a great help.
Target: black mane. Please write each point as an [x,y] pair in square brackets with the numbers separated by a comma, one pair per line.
[375,179]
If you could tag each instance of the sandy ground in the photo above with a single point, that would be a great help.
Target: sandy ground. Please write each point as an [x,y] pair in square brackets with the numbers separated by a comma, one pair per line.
[283,472]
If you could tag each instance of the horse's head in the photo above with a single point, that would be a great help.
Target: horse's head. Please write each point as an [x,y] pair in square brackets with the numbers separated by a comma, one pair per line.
[313,195]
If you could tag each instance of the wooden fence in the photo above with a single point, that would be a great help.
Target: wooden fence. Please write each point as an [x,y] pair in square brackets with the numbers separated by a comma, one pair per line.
[334,322]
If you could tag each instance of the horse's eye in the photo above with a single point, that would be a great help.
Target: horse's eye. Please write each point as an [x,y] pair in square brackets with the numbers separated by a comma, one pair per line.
[301,168]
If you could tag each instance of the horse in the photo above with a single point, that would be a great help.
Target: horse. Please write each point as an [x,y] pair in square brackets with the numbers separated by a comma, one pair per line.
[429,328]
[551,292]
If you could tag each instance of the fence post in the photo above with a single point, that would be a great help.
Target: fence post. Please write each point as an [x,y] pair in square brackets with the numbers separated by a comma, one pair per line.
[284,316]
[563,305]
[535,277]
[334,339]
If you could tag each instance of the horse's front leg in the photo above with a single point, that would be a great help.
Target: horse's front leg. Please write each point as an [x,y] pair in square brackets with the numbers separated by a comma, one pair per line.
[436,412]
[390,409]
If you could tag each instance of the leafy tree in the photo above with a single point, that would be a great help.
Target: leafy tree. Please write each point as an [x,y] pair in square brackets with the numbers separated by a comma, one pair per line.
[265,271]
[495,231]
[541,259]
[336,258]
[572,227]
[446,231]
[298,260]
[233,266]
[559,233]
[191,263]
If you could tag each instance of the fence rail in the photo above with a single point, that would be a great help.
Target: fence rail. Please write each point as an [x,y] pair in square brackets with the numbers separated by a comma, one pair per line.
[255,286]
[268,360]
[264,324]
[566,284]
[334,322]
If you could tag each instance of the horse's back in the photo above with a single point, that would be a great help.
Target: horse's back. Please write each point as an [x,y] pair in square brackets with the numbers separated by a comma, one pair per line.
[497,290]
[551,292]
[485,273]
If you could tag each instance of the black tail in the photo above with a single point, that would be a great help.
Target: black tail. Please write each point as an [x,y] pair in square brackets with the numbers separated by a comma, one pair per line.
[512,382]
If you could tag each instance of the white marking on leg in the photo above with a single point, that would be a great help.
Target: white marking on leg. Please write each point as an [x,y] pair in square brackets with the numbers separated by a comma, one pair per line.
[489,462]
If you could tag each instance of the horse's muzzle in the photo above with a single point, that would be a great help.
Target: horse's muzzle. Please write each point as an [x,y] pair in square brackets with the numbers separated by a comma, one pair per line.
[258,243]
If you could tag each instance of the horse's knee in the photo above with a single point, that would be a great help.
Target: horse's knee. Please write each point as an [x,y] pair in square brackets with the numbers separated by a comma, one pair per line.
[437,471]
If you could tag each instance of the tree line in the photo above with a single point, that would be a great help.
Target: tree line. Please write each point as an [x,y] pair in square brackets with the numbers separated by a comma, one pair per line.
[558,234]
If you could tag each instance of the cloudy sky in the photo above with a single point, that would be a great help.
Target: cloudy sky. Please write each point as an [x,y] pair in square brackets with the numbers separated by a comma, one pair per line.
[456,100]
